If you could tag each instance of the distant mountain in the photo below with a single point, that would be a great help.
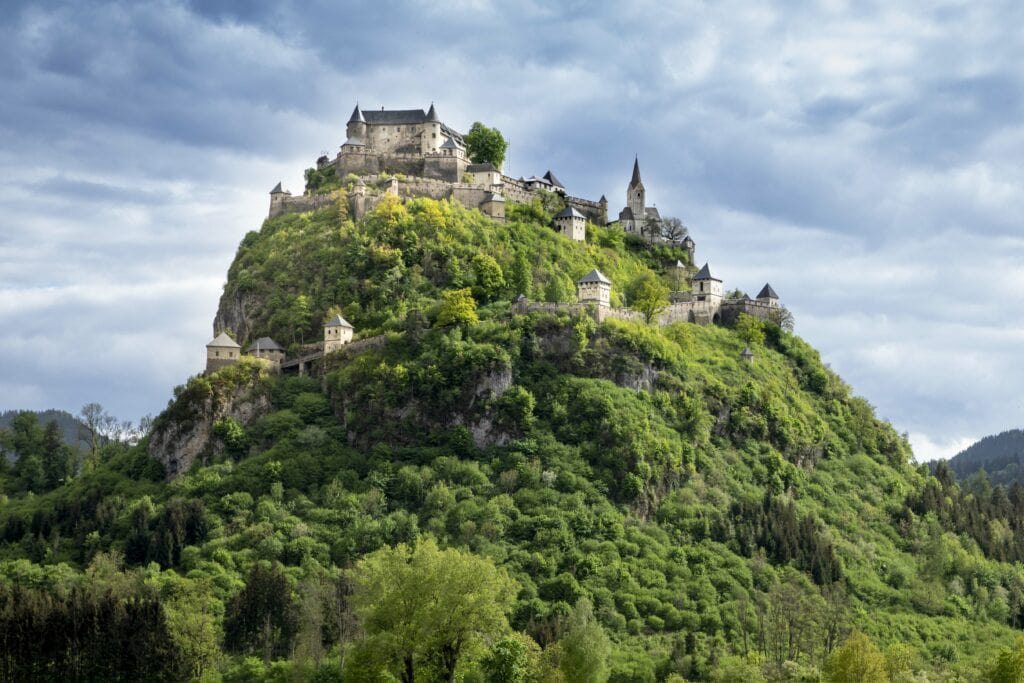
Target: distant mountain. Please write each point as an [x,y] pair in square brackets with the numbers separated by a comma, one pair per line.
[71,426]
[1001,456]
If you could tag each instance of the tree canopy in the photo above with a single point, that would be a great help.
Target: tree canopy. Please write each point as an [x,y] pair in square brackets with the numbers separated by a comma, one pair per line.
[486,145]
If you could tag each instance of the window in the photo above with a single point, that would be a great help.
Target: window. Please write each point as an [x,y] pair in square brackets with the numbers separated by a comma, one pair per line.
[217,354]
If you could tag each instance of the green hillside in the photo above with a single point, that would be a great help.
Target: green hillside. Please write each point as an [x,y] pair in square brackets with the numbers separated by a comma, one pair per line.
[999,456]
[499,497]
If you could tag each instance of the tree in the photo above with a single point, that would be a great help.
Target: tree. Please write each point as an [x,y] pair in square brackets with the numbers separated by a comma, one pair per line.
[858,660]
[423,608]
[458,307]
[782,317]
[261,619]
[489,278]
[486,145]
[513,659]
[522,275]
[585,647]
[652,228]
[673,230]
[750,329]
[1009,666]
[648,294]
[56,456]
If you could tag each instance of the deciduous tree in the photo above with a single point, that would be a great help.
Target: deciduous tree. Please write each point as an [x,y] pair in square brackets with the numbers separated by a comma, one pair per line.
[485,145]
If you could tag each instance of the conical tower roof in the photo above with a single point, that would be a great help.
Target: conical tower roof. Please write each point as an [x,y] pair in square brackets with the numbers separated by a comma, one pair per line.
[432,114]
[277,189]
[767,292]
[635,180]
[223,341]
[705,274]
[594,276]
[357,115]
[338,321]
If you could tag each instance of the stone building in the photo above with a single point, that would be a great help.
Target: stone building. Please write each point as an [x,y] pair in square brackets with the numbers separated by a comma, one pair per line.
[267,349]
[221,352]
[571,223]
[337,333]
[594,288]
[635,215]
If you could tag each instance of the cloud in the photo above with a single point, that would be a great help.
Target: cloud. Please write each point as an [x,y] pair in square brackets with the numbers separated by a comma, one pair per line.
[862,157]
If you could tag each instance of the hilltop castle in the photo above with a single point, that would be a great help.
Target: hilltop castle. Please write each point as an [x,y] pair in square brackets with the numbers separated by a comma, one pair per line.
[412,153]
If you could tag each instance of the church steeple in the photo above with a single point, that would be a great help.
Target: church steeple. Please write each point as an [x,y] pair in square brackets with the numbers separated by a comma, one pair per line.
[635,181]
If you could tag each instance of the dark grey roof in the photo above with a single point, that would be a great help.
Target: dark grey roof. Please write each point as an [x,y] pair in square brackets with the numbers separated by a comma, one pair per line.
[594,276]
[652,212]
[705,274]
[550,177]
[356,142]
[635,180]
[223,341]
[265,344]
[480,168]
[451,143]
[395,116]
[357,115]
[432,114]
[687,239]
[747,353]
[569,212]
[338,321]
[277,189]
[535,179]
[626,214]
[602,200]
[767,292]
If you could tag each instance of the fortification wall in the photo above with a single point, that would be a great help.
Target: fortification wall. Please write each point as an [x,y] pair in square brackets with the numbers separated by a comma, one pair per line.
[731,310]
[515,191]
[594,211]
[303,203]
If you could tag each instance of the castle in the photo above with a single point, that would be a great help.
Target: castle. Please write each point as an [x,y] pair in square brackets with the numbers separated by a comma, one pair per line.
[412,153]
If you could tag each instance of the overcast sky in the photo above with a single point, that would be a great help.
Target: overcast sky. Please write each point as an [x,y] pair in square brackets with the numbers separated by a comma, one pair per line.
[863,157]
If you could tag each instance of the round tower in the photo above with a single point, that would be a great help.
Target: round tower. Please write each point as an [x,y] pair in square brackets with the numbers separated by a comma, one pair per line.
[431,138]
[356,128]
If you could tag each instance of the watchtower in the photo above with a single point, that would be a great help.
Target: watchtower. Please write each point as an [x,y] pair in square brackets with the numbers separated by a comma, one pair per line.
[221,352]
[571,223]
[337,333]
[594,288]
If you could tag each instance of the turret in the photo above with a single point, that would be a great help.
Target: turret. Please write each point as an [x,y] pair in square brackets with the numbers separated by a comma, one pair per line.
[571,223]
[277,200]
[431,138]
[768,296]
[337,333]
[221,352]
[705,286]
[594,288]
[690,246]
[356,128]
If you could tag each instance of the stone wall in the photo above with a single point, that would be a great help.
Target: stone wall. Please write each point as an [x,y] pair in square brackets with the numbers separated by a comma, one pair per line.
[515,191]
[303,203]
[594,211]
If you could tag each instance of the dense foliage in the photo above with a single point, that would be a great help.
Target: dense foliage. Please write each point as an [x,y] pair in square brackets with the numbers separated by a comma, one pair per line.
[489,497]
[1000,456]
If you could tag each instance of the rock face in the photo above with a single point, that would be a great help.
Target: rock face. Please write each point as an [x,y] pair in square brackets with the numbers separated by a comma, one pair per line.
[178,444]
[235,312]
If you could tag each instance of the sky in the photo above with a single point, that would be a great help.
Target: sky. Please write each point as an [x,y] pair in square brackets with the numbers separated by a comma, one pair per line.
[863,157]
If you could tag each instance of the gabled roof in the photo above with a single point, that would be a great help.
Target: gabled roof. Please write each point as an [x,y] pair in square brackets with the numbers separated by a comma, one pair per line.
[395,116]
[635,180]
[432,114]
[747,353]
[451,143]
[535,179]
[594,276]
[223,341]
[493,197]
[550,177]
[626,214]
[569,212]
[705,274]
[265,344]
[767,292]
[277,189]
[652,212]
[481,168]
[338,321]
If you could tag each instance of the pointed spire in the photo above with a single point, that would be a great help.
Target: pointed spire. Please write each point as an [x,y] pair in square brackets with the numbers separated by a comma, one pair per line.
[357,115]
[432,114]
[636,173]
[767,292]
[705,274]
[277,189]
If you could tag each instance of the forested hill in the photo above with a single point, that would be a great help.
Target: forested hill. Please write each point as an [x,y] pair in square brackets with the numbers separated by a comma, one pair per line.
[1000,455]
[75,432]
[495,497]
